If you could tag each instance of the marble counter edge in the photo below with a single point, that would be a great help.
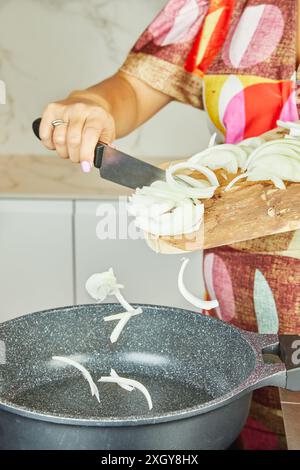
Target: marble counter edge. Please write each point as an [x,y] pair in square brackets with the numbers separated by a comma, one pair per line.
[48,177]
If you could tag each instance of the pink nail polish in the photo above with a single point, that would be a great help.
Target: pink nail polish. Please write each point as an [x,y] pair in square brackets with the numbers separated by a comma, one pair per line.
[86,167]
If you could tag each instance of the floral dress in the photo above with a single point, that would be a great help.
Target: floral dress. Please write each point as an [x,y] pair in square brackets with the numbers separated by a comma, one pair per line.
[236,59]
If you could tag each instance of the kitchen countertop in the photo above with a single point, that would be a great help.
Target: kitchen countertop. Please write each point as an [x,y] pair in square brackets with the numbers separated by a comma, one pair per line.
[51,177]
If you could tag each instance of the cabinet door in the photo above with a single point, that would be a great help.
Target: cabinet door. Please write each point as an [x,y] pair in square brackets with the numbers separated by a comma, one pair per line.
[148,277]
[36,266]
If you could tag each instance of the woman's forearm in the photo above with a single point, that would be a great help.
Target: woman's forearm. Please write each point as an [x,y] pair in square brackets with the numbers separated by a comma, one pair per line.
[130,101]
[113,108]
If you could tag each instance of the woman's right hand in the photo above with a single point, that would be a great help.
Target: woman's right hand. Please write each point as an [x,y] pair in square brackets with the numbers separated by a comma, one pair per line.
[87,121]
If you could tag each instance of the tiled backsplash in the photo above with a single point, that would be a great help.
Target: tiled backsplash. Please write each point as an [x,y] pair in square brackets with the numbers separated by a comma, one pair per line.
[49,47]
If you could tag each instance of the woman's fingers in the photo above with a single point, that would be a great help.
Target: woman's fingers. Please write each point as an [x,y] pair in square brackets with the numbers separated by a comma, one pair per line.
[84,125]
[98,127]
[74,136]
[52,112]
[90,138]
[60,140]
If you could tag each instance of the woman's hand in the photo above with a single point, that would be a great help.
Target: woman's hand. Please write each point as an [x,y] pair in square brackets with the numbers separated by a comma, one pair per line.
[110,109]
[87,121]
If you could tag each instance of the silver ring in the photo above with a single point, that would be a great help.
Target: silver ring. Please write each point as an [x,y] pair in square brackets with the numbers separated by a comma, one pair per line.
[58,122]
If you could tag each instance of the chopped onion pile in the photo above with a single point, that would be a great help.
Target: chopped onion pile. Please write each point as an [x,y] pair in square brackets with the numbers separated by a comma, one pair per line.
[83,370]
[129,384]
[172,207]
[191,298]
[276,160]
[101,285]
[227,156]
[293,127]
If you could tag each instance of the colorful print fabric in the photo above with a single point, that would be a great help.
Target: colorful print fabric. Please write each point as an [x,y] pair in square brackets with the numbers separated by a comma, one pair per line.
[258,288]
[235,52]
[236,59]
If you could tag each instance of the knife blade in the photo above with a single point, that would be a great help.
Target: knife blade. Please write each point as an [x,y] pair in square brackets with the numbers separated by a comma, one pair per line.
[119,167]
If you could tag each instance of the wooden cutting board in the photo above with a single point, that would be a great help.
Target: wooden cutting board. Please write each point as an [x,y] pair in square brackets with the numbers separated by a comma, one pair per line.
[246,212]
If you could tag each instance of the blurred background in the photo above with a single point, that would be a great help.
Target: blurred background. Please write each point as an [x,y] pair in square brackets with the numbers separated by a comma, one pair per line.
[48,243]
[50,47]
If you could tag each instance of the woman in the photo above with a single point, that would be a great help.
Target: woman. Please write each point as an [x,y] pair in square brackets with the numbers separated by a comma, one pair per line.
[238,60]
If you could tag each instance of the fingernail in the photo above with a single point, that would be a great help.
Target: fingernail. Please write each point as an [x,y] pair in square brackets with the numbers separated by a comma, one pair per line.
[86,167]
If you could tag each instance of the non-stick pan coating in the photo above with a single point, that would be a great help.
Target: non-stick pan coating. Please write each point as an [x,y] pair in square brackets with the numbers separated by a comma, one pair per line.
[183,358]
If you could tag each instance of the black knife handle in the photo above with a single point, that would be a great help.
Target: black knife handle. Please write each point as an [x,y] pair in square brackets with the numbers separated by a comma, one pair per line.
[36,127]
[98,150]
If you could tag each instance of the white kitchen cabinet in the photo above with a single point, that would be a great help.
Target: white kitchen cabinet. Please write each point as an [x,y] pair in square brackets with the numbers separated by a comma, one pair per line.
[148,277]
[36,256]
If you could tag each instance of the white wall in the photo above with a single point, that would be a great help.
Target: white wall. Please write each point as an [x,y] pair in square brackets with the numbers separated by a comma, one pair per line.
[49,248]
[49,47]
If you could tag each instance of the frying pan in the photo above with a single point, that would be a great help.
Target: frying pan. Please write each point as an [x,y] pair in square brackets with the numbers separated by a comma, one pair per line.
[199,371]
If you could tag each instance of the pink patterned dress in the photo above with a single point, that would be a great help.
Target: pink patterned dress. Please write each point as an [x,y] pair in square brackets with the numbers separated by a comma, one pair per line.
[236,59]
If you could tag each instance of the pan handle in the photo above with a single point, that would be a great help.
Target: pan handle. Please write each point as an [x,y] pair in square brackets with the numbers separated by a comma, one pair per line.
[289,353]
[285,372]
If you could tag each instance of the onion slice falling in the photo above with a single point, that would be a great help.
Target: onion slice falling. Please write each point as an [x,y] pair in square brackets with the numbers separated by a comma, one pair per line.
[83,370]
[123,320]
[191,298]
[119,316]
[101,285]
[122,382]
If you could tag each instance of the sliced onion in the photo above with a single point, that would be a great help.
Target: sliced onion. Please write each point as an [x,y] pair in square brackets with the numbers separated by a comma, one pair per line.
[252,142]
[123,320]
[119,316]
[150,206]
[212,140]
[172,207]
[278,182]
[196,183]
[184,219]
[122,382]
[199,189]
[191,298]
[123,302]
[262,175]
[227,156]
[293,127]
[190,166]
[101,285]
[279,147]
[235,180]
[83,370]
[114,374]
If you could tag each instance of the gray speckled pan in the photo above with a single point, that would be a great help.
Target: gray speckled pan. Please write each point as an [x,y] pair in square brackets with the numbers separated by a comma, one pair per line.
[200,373]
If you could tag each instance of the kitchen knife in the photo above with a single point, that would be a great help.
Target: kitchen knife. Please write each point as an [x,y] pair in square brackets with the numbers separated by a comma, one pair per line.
[119,167]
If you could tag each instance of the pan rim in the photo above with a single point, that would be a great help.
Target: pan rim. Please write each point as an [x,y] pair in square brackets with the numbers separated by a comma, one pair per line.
[245,387]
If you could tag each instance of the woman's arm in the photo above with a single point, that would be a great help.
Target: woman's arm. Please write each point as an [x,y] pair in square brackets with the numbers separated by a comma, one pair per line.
[110,109]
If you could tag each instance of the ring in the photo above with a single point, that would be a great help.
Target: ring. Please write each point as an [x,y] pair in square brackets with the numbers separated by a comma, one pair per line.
[58,122]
